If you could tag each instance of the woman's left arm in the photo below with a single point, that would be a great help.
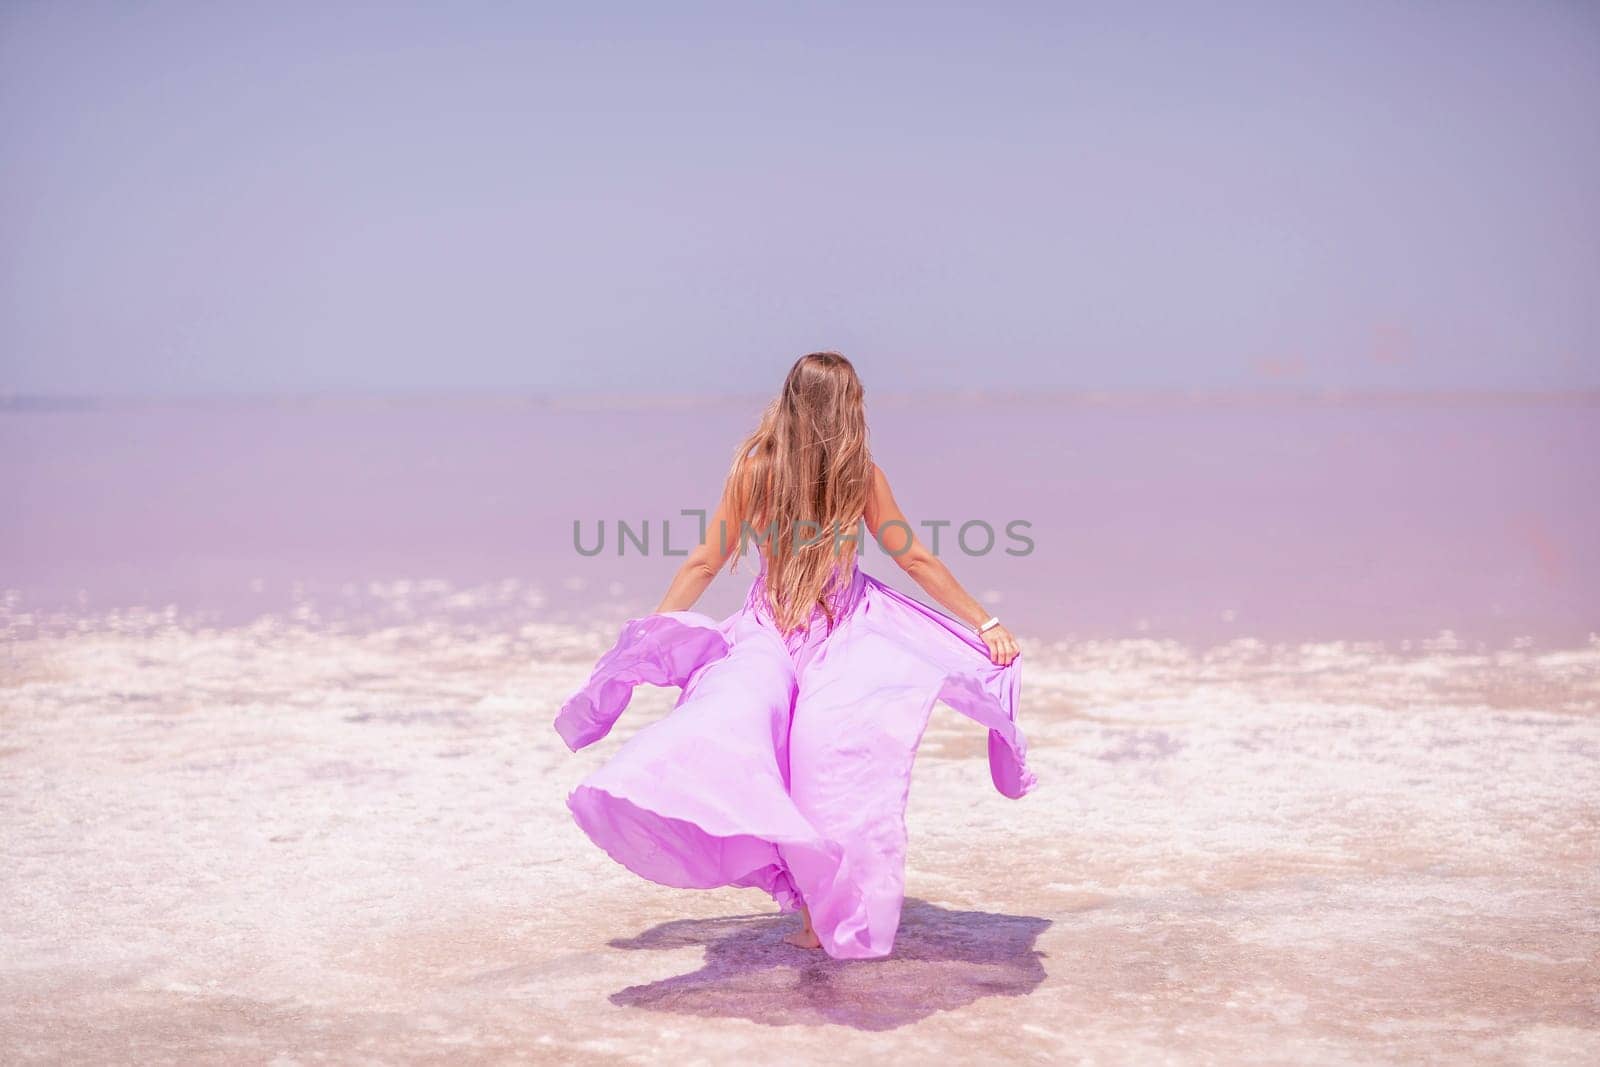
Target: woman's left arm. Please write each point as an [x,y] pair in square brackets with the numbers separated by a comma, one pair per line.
[703,562]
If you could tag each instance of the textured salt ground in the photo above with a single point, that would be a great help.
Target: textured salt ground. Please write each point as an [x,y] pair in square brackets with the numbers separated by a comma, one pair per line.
[299,841]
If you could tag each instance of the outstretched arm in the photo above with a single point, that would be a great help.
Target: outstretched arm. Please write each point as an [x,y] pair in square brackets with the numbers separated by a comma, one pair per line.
[890,526]
[704,560]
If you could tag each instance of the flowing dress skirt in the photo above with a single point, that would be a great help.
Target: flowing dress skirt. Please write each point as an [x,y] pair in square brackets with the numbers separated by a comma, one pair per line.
[786,763]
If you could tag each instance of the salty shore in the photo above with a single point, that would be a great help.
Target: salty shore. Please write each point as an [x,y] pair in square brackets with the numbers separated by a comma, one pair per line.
[290,841]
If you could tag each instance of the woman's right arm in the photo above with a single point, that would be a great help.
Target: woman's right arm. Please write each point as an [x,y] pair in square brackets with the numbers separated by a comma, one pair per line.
[893,531]
[704,560]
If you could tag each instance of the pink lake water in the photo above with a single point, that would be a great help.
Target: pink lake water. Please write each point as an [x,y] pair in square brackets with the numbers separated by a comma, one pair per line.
[1202,520]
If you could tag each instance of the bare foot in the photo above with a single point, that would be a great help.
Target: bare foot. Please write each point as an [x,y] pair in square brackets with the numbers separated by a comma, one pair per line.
[806,938]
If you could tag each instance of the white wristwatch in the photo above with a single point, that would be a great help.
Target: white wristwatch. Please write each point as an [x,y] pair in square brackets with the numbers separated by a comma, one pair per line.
[988,624]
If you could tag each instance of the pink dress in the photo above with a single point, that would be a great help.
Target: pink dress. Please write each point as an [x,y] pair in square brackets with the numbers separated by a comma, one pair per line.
[786,763]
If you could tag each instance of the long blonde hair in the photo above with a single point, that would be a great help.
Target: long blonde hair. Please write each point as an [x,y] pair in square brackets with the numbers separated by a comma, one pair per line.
[801,482]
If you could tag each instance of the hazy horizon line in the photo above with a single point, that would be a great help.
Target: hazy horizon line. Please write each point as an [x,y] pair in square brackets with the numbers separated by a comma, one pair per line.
[623,400]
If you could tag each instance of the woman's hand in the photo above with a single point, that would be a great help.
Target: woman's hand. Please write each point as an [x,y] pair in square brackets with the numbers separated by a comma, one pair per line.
[1002,646]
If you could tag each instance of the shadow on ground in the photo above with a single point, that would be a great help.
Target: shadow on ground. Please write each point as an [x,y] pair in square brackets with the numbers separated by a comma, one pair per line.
[942,960]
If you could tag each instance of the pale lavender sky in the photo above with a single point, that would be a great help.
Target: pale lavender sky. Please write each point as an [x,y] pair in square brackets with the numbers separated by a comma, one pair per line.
[263,197]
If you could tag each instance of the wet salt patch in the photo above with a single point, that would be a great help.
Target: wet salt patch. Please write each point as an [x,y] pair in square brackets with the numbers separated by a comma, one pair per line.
[1079,887]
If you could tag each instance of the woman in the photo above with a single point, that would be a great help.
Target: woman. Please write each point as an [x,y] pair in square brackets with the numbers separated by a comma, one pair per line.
[786,762]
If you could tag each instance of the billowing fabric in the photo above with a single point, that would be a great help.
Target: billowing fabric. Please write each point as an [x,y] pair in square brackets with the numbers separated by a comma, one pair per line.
[786,763]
